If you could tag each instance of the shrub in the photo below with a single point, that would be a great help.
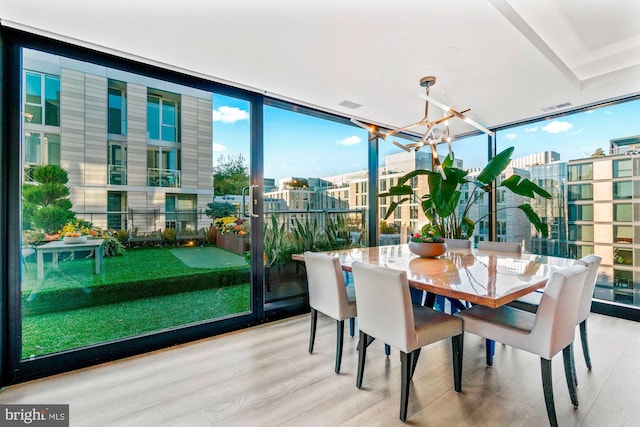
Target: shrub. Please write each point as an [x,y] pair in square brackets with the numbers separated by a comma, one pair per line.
[113,247]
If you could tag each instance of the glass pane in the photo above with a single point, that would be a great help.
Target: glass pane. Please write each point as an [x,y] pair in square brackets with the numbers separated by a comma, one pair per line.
[33,84]
[623,212]
[52,101]
[32,147]
[53,148]
[69,299]
[596,148]
[622,190]
[115,111]
[153,117]
[315,185]
[622,168]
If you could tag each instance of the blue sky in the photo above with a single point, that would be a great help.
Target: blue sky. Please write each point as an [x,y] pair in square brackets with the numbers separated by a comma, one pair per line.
[300,145]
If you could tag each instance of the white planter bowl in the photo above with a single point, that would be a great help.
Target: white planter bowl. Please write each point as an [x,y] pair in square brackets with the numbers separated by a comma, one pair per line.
[74,239]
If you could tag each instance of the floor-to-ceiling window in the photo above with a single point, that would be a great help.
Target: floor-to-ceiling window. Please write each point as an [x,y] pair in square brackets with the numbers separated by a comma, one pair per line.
[116,187]
[588,162]
[315,195]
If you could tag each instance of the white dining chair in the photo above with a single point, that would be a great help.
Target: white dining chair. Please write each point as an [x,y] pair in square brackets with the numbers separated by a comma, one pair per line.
[544,333]
[329,295]
[531,302]
[511,247]
[385,312]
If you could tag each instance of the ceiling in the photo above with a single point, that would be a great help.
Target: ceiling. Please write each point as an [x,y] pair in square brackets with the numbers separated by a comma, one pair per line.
[507,60]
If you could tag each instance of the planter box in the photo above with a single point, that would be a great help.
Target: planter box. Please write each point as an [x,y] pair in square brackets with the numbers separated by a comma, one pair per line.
[236,243]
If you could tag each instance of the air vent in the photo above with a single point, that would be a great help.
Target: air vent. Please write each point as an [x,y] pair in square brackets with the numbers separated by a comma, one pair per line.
[350,104]
[557,107]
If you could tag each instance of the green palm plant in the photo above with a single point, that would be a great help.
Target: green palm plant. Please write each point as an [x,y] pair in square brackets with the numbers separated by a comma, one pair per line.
[442,205]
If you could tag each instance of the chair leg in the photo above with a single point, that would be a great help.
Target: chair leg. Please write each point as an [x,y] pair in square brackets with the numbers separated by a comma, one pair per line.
[312,334]
[339,342]
[405,366]
[585,343]
[567,356]
[547,387]
[415,354]
[362,353]
[387,350]
[352,326]
[573,367]
[490,347]
[458,350]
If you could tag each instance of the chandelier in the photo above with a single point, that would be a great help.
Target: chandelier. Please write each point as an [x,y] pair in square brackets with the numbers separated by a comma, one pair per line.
[429,135]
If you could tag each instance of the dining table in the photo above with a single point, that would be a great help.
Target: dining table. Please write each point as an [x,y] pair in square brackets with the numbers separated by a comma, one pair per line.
[489,278]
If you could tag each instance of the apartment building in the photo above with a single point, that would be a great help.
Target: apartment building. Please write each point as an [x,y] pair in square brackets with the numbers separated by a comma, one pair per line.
[604,210]
[138,150]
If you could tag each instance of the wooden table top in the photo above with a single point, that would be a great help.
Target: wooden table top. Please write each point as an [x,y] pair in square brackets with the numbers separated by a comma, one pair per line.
[481,277]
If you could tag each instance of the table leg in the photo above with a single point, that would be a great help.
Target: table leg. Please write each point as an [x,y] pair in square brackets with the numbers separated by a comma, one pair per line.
[98,254]
[40,265]
[54,259]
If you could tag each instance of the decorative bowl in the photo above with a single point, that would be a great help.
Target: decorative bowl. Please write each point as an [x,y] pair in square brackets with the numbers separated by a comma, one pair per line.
[74,239]
[428,250]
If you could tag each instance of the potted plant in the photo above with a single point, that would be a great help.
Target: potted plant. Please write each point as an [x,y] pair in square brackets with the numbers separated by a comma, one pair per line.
[428,243]
[442,205]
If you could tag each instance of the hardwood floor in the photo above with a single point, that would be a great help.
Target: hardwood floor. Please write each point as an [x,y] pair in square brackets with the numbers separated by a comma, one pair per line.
[264,376]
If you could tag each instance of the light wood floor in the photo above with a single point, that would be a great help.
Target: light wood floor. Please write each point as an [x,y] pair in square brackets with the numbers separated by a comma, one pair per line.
[264,376]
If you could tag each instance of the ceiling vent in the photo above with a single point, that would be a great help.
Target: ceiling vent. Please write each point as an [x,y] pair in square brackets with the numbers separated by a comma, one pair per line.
[557,107]
[350,104]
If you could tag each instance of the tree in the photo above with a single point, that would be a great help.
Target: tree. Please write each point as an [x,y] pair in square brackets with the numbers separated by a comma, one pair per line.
[46,205]
[230,175]
[220,210]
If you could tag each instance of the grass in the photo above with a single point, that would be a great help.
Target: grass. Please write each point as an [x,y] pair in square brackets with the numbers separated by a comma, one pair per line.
[138,265]
[146,290]
[55,332]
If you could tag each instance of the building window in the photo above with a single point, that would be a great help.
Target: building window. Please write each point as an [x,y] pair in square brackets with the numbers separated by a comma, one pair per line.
[582,233]
[623,234]
[579,251]
[622,190]
[580,212]
[40,149]
[623,212]
[117,107]
[163,116]
[180,212]
[117,158]
[580,192]
[413,212]
[622,168]
[580,172]
[42,99]
[116,210]
[623,279]
[163,167]
[623,256]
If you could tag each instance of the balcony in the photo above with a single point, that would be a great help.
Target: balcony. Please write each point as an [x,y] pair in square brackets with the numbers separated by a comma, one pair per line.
[117,175]
[163,177]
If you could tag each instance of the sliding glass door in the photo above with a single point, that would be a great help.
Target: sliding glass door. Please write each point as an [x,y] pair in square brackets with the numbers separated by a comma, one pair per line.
[138,224]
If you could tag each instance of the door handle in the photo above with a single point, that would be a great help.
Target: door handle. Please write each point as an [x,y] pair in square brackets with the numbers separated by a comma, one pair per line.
[252,201]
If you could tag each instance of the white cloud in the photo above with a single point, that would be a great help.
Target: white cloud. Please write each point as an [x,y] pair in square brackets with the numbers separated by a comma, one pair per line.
[350,140]
[511,136]
[226,114]
[557,127]
[578,132]
[533,129]
[218,147]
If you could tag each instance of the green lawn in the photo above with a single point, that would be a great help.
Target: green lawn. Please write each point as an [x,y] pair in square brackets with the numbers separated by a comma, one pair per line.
[54,332]
[146,290]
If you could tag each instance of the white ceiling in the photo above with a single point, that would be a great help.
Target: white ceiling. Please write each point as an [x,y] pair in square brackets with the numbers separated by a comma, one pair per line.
[507,60]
